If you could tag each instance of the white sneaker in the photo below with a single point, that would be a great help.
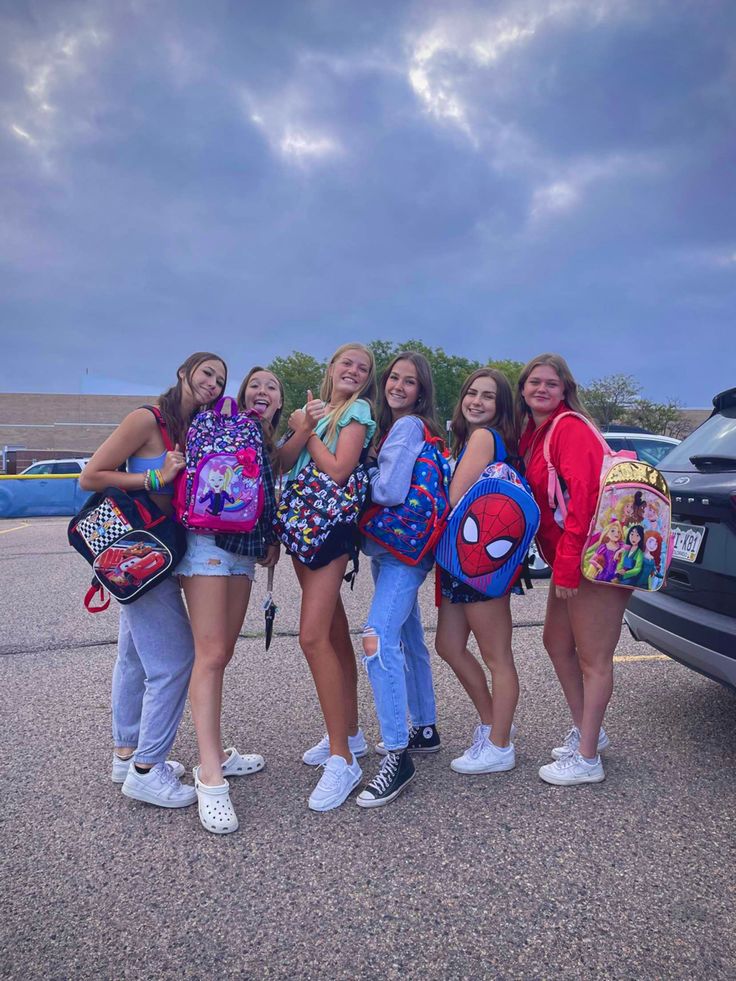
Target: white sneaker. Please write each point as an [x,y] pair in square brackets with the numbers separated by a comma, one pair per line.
[337,782]
[483,756]
[572,769]
[160,786]
[571,743]
[120,768]
[320,753]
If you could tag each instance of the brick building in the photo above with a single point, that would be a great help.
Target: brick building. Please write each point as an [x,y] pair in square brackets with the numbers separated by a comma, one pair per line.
[44,426]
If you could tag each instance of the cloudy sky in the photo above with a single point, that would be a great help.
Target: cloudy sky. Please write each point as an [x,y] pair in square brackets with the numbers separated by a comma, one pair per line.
[497,178]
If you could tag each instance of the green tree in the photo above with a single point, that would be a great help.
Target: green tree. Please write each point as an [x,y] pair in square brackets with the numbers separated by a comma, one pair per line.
[512,370]
[611,398]
[297,372]
[664,418]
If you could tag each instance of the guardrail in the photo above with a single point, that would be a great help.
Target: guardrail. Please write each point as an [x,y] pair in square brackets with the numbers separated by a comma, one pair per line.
[40,495]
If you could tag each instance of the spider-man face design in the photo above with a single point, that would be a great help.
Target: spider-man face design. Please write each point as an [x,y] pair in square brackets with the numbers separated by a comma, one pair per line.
[493,527]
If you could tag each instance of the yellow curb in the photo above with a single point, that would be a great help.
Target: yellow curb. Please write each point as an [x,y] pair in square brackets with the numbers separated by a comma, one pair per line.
[641,657]
[5,531]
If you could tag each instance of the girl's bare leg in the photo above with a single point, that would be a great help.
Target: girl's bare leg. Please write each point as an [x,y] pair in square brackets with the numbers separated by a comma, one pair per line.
[596,616]
[343,645]
[490,622]
[217,606]
[450,643]
[320,595]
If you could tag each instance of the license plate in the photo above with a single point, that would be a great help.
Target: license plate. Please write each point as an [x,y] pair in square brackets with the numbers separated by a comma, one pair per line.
[688,539]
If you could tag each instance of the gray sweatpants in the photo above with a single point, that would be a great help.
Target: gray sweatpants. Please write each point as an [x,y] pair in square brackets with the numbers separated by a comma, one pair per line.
[151,675]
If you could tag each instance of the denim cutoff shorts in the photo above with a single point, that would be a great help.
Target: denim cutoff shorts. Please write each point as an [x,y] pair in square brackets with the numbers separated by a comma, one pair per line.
[204,558]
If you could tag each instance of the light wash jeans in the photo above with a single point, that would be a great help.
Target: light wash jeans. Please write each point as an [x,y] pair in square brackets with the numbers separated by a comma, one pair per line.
[400,672]
[151,674]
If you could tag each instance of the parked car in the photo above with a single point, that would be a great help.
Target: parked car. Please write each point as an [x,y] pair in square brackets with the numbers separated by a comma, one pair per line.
[647,446]
[47,487]
[44,468]
[693,617]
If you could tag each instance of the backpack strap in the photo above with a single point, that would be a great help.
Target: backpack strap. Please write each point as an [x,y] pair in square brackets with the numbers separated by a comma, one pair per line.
[89,596]
[161,425]
[500,446]
[555,494]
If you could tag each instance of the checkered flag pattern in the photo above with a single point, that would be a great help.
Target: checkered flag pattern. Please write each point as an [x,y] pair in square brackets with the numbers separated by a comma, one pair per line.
[103,527]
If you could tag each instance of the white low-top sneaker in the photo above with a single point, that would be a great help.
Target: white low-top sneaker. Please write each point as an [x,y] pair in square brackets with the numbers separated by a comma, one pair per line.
[160,786]
[484,756]
[320,753]
[572,769]
[571,743]
[120,768]
[337,782]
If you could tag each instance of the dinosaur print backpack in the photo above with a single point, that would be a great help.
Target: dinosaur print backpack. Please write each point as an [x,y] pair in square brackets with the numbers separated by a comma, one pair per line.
[221,487]
[410,530]
[490,529]
[630,538]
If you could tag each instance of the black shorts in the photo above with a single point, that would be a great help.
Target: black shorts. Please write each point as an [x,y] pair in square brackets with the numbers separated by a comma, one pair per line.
[459,592]
[342,540]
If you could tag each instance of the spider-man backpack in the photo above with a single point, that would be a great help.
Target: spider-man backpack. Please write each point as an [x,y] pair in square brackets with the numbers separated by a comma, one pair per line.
[490,529]
[221,488]
[410,530]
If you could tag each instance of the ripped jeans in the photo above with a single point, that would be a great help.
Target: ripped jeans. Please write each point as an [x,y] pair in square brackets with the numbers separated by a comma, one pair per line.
[400,672]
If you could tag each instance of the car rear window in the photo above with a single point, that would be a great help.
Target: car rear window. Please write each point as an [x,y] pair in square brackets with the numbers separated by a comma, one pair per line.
[713,445]
[67,468]
[651,450]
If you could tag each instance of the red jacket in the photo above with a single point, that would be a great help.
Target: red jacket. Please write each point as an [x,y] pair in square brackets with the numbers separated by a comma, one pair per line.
[578,457]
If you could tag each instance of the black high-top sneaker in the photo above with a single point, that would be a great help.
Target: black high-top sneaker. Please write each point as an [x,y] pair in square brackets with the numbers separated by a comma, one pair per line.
[422,741]
[397,770]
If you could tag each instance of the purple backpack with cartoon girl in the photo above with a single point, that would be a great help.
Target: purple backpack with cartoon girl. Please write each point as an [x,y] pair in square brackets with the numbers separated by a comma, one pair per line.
[221,487]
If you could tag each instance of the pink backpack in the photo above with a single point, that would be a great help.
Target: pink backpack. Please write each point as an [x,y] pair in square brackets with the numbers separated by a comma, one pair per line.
[630,539]
[221,488]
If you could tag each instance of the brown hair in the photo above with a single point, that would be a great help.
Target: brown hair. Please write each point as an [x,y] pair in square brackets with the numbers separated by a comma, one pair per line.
[269,428]
[368,392]
[503,420]
[424,408]
[170,402]
[569,387]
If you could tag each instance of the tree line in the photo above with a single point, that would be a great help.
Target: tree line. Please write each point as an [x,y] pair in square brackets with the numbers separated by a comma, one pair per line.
[611,399]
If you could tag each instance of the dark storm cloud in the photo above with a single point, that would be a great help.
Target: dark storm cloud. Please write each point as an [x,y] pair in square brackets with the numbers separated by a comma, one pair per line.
[493,178]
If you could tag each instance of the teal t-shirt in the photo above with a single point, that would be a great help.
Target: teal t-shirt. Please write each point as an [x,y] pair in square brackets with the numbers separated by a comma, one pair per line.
[359,411]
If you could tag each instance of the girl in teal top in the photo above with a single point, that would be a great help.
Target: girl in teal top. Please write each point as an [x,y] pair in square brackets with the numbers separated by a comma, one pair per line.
[333,431]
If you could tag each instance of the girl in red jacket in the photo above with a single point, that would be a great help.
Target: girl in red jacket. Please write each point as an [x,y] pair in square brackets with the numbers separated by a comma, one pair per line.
[583,621]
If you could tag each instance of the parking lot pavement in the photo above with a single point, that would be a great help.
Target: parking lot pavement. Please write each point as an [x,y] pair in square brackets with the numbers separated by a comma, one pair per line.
[498,876]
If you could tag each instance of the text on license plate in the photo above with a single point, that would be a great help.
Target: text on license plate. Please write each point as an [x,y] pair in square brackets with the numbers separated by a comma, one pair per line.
[688,539]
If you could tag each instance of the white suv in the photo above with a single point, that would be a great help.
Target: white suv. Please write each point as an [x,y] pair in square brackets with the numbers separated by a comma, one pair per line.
[44,468]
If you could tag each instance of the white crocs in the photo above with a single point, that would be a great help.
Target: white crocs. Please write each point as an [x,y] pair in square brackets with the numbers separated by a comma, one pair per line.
[240,764]
[216,812]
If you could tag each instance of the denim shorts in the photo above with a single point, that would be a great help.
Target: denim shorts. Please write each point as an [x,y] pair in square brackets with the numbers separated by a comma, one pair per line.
[204,558]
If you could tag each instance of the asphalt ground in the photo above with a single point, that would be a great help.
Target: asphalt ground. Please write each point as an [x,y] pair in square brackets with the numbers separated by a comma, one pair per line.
[497,876]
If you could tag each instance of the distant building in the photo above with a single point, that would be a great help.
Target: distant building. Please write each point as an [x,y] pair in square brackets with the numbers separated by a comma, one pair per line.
[40,426]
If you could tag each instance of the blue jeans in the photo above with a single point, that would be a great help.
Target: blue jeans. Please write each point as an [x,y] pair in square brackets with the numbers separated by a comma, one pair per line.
[151,674]
[400,672]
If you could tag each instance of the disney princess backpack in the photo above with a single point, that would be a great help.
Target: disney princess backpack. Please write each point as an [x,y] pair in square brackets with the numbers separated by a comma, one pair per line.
[491,527]
[221,487]
[630,540]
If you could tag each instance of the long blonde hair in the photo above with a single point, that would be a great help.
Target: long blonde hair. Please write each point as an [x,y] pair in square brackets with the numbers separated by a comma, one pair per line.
[367,392]
[569,387]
